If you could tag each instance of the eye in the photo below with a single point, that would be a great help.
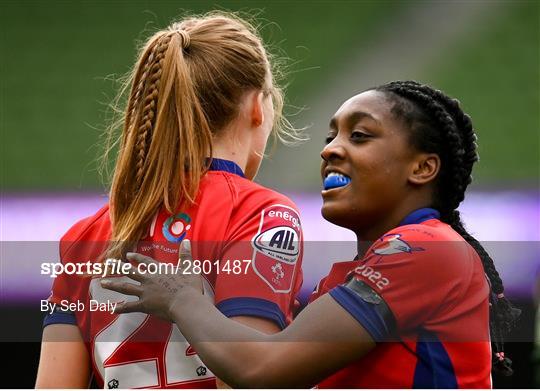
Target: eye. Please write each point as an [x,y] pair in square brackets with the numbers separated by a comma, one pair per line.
[359,136]
[329,139]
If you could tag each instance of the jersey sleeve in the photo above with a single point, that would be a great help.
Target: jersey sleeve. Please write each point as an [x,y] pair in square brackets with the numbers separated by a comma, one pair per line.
[408,277]
[59,316]
[75,247]
[64,289]
[267,242]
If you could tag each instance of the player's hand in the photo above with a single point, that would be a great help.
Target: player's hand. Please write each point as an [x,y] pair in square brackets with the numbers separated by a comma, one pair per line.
[157,293]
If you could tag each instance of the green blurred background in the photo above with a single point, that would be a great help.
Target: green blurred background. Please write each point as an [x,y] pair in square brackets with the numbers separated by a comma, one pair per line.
[59,60]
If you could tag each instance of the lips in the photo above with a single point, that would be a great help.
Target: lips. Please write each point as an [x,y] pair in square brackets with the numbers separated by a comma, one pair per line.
[334,180]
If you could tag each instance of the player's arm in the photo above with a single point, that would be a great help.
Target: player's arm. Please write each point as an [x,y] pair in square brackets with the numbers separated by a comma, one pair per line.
[322,339]
[64,361]
[263,325]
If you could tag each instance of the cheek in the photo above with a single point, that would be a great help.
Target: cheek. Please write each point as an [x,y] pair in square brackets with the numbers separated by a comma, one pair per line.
[390,168]
[381,175]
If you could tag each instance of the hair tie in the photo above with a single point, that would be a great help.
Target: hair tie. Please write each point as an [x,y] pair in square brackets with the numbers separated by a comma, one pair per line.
[184,36]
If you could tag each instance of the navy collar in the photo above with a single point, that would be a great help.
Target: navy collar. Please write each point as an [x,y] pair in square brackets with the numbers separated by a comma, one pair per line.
[420,215]
[225,165]
[416,217]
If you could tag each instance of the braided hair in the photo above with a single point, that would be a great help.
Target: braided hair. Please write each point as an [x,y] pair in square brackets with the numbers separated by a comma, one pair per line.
[438,125]
[185,88]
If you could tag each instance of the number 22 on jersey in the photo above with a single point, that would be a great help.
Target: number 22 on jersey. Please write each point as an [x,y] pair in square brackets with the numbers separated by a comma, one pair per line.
[136,350]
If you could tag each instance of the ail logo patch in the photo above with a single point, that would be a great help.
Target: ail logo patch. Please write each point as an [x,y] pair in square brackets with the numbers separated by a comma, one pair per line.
[279,242]
[277,247]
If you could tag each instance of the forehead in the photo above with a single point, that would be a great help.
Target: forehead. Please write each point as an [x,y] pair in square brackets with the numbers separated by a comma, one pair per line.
[370,102]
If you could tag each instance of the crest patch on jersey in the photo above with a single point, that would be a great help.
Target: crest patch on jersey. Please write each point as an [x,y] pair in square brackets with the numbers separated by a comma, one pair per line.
[391,244]
[277,247]
[175,227]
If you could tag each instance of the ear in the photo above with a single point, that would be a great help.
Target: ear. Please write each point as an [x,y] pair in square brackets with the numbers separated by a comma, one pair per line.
[257,109]
[425,168]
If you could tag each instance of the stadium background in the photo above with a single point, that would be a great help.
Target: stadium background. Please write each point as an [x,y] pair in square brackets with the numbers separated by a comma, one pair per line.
[60,60]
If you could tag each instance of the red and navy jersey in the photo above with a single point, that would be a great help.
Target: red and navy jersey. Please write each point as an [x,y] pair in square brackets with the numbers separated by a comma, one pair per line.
[420,291]
[249,241]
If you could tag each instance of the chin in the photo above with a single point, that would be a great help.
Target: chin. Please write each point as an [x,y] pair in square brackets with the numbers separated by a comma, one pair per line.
[335,215]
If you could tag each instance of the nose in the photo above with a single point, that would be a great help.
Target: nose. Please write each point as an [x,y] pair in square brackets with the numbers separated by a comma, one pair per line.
[333,150]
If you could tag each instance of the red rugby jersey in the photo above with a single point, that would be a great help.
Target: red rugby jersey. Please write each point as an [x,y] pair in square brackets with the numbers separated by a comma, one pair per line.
[436,334]
[233,219]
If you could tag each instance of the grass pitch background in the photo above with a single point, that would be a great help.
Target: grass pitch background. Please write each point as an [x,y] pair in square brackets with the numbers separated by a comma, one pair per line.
[58,58]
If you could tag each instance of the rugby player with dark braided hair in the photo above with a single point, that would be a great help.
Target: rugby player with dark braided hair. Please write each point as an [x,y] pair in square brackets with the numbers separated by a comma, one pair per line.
[421,306]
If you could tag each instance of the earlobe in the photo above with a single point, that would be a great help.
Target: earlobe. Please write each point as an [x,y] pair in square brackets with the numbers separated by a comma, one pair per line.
[425,169]
[257,111]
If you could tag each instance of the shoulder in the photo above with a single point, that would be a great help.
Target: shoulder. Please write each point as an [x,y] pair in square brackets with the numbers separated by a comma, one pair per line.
[258,209]
[432,242]
[430,230]
[271,208]
[251,195]
[252,191]
[244,198]
[96,227]
[89,225]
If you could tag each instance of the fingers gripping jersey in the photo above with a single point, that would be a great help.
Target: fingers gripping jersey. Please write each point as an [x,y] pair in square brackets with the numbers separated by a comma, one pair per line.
[421,292]
[249,241]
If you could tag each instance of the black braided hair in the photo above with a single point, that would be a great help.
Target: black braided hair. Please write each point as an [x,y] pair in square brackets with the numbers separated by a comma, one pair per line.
[438,125]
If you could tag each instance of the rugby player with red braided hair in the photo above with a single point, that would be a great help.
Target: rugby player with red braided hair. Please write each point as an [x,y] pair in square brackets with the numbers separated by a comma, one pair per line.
[202,106]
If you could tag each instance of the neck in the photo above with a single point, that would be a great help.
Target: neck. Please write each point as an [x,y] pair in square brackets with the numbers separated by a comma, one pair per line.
[375,230]
[367,235]
[362,246]
[231,148]
[233,156]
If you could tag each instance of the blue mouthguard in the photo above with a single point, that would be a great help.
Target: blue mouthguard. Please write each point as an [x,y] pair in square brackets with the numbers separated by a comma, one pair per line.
[335,181]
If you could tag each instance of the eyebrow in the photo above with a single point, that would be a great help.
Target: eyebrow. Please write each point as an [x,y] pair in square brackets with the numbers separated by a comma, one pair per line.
[353,118]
